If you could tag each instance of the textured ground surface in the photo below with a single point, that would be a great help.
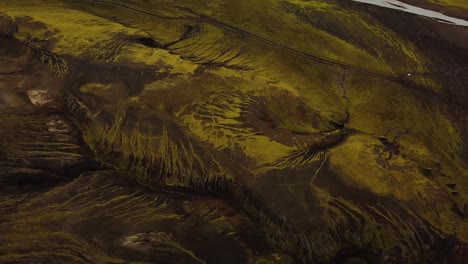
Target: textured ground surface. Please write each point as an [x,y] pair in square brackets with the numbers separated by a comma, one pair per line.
[231,132]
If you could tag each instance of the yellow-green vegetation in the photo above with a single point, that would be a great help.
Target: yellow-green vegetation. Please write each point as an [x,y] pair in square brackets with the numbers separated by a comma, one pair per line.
[451,3]
[361,31]
[302,110]
[68,31]
[291,113]
[36,148]
[69,225]
[155,57]
[147,150]
[81,35]
[280,28]
[217,121]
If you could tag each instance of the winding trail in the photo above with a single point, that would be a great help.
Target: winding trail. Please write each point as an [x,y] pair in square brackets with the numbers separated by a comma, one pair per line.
[403,79]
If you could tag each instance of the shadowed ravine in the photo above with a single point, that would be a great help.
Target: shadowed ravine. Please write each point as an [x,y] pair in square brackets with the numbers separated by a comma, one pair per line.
[231,132]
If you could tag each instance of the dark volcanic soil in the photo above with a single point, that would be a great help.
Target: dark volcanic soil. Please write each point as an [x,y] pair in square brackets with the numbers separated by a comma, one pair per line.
[231,132]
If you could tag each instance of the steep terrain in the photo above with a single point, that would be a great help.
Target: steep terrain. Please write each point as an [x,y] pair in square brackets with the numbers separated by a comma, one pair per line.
[332,131]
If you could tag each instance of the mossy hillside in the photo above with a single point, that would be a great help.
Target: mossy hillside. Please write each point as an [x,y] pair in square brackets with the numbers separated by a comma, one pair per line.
[111,134]
[265,19]
[247,15]
[435,141]
[163,31]
[67,32]
[449,136]
[70,219]
[112,42]
[223,129]
[141,128]
[215,118]
[225,119]
[459,4]
[395,49]
[270,66]
[116,45]
[399,111]
[314,100]
[245,10]
[118,58]
[284,107]
[360,29]
[36,140]
[281,72]
[139,142]
[43,222]
[286,71]
[281,65]
[384,176]
[321,221]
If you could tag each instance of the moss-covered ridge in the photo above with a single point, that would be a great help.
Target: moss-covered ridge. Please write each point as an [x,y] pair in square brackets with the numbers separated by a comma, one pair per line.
[70,224]
[208,107]
[57,205]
